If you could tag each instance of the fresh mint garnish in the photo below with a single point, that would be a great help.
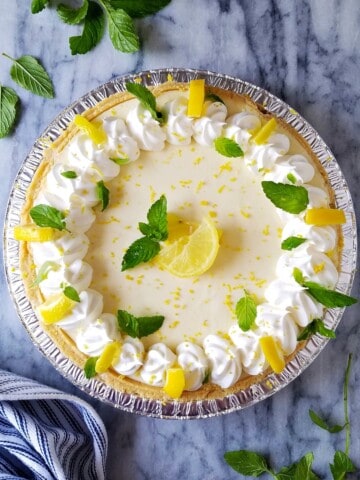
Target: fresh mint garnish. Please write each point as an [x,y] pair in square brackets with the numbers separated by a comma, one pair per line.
[292,242]
[320,422]
[120,161]
[228,147]
[316,326]
[138,327]
[142,250]
[103,194]
[140,8]
[291,198]
[44,270]
[71,293]
[46,216]
[298,276]
[93,30]
[89,367]
[291,177]
[8,108]
[246,312]
[212,97]
[70,15]
[38,5]
[303,470]
[121,28]
[69,174]
[328,298]
[247,462]
[27,72]
[146,98]
[341,466]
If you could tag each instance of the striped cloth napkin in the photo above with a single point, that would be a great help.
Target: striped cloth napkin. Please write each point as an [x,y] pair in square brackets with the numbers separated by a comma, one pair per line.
[46,434]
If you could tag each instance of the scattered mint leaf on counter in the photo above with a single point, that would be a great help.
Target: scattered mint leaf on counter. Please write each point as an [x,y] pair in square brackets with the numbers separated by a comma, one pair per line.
[44,270]
[46,216]
[342,465]
[121,29]
[247,462]
[38,5]
[212,97]
[316,326]
[89,367]
[246,312]
[93,31]
[140,8]
[70,15]
[69,174]
[146,98]
[8,108]
[71,293]
[303,468]
[320,422]
[27,72]
[103,194]
[290,198]
[138,327]
[292,242]
[228,147]
[142,250]
[328,298]
[157,228]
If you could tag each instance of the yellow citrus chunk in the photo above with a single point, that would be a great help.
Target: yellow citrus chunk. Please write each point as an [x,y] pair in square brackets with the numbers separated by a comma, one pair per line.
[175,382]
[273,353]
[33,233]
[55,308]
[325,216]
[96,133]
[178,227]
[264,133]
[196,97]
[191,255]
[110,352]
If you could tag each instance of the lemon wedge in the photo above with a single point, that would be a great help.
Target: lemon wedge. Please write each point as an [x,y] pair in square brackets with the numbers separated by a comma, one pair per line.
[325,216]
[175,382]
[177,227]
[110,352]
[264,133]
[191,255]
[33,233]
[196,97]
[273,353]
[96,133]
[55,308]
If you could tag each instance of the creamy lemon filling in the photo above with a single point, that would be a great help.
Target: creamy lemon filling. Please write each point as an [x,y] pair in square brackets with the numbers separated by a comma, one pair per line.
[200,332]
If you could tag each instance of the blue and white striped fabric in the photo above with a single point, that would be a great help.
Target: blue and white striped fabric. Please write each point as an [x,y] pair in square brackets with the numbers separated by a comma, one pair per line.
[46,434]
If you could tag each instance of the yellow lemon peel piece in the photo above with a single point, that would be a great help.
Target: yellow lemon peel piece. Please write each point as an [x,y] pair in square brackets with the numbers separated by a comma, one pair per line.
[265,132]
[196,97]
[175,382]
[273,353]
[33,233]
[95,132]
[55,308]
[325,216]
[109,354]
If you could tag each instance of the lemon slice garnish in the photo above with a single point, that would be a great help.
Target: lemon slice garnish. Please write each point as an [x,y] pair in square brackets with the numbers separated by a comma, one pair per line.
[196,97]
[191,255]
[96,133]
[265,132]
[325,216]
[273,353]
[32,233]
[55,308]
[106,359]
[175,382]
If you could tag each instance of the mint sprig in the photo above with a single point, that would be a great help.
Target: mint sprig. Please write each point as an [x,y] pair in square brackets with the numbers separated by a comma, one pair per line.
[316,326]
[290,198]
[341,466]
[46,216]
[89,367]
[246,312]
[320,422]
[121,28]
[247,462]
[140,8]
[72,16]
[138,327]
[38,5]
[228,147]
[69,174]
[292,242]
[146,98]
[142,250]
[103,194]
[71,292]
[8,109]
[93,30]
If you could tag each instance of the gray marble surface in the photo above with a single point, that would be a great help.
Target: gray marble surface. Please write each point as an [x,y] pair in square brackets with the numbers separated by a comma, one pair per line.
[307,53]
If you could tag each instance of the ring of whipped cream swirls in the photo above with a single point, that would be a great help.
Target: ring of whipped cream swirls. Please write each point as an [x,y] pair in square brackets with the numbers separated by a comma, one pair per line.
[288,308]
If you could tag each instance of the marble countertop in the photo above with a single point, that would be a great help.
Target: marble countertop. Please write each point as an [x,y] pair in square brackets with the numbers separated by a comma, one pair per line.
[308,54]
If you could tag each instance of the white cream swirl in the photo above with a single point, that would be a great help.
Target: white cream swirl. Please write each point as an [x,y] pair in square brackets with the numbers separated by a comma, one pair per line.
[84,312]
[262,158]
[120,143]
[131,356]
[93,338]
[80,217]
[323,238]
[225,366]
[66,248]
[145,129]
[210,126]
[193,361]
[296,166]
[249,350]
[237,127]
[179,127]
[158,360]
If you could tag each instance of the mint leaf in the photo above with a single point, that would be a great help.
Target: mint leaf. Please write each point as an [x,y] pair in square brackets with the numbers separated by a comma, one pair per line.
[142,250]
[138,327]
[291,198]
[288,473]
[146,98]
[157,228]
[44,270]
[72,16]
[328,298]
[92,33]
[46,216]
[246,312]
[227,147]
[69,174]
[38,5]
[120,161]
[303,467]
[298,276]
[247,462]
[71,293]
[291,177]
[8,107]
[103,194]
[31,75]
[292,242]
[121,29]
[342,465]
[322,424]
[316,326]
[140,8]
[89,367]
[212,97]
